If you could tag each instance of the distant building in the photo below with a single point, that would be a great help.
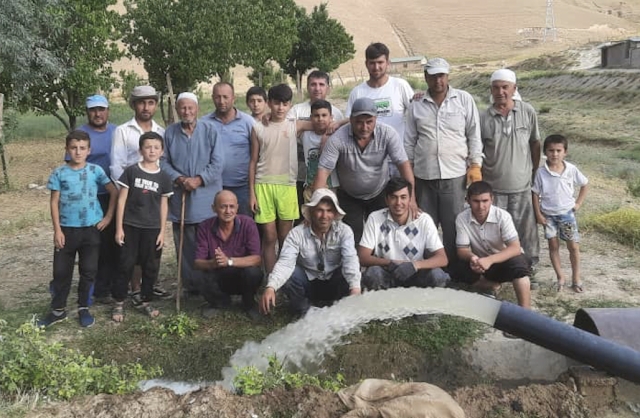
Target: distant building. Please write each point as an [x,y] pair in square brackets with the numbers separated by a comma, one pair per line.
[621,54]
[408,64]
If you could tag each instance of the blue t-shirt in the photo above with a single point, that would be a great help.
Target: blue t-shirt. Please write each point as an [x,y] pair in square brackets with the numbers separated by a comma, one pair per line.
[79,205]
[235,138]
[100,149]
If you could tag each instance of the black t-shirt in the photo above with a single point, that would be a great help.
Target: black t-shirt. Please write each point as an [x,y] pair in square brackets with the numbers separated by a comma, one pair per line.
[142,209]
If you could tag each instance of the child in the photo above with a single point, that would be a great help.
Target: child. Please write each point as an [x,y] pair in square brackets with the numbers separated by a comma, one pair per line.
[257,102]
[140,222]
[313,143]
[555,206]
[77,221]
[273,171]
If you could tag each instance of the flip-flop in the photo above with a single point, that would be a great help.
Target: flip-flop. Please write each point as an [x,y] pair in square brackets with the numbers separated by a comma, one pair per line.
[117,313]
[578,288]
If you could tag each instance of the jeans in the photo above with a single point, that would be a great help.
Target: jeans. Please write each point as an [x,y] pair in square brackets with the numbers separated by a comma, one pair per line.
[302,292]
[86,243]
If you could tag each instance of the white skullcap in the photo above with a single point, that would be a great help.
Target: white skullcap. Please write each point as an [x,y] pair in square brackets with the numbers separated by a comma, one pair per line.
[504,75]
[187,95]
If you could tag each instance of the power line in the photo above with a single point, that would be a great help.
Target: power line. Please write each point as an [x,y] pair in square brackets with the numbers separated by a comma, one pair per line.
[550,31]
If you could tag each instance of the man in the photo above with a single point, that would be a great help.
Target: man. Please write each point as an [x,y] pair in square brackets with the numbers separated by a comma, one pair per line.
[124,149]
[193,157]
[391,95]
[398,250]
[442,140]
[318,261]
[360,152]
[125,152]
[100,131]
[318,89]
[234,131]
[489,250]
[228,249]
[511,139]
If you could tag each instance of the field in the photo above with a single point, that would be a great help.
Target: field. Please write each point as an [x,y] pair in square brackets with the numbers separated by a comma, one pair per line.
[596,110]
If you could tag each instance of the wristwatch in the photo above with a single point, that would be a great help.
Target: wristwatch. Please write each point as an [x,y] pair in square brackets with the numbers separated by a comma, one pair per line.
[230,262]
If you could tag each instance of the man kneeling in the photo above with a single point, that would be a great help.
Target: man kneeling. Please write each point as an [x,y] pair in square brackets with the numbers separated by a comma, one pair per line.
[488,246]
[228,247]
[398,248]
[318,260]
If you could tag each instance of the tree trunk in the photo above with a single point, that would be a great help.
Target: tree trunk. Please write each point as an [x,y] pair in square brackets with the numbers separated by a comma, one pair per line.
[173,114]
[5,169]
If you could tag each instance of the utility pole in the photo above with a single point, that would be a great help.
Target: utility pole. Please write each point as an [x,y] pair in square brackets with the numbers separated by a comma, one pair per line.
[550,32]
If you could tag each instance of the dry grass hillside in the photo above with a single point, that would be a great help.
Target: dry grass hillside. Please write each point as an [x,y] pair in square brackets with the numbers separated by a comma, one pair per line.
[467,31]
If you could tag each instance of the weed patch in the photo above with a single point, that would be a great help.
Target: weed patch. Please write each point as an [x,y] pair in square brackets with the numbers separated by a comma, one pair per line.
[623,225]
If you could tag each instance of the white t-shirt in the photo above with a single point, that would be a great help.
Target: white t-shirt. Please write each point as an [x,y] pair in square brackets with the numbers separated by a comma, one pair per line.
[392,100]
[488,238]
[407,242]
[556,190]
[311,148]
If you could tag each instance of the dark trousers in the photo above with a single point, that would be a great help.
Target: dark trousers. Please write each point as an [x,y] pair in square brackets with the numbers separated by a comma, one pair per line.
[507,271]
[108,258]
[358,211]
[302,292]
[443,200]
[139,249]
[86,243]
[226,281]
[191,278]
[378,278]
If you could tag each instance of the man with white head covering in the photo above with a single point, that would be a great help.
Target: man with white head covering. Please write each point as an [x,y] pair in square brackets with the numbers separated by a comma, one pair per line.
[511,140]
[318,261]
[442,141]
[193,159]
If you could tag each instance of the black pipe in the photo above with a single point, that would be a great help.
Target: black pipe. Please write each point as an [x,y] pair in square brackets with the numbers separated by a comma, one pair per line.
[567,340]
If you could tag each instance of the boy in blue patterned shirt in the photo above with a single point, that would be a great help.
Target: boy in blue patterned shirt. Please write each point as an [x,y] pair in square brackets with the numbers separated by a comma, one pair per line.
[77,221]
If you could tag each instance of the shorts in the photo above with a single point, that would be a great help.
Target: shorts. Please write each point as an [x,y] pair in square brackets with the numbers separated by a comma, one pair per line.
[276,201]
[565,226]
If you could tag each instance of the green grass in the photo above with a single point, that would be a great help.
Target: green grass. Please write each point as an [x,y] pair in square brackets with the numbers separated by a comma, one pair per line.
[8,227]
[623,225]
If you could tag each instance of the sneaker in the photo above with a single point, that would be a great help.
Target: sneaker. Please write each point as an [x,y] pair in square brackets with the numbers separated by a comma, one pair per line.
[160,293]
[52,318]
[85,318]
[136,299]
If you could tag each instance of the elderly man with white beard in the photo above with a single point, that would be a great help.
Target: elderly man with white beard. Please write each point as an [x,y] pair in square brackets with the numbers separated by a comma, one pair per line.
[511,139]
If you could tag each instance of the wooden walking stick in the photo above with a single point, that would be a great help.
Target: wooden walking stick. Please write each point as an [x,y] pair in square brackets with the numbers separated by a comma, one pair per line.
[180,245]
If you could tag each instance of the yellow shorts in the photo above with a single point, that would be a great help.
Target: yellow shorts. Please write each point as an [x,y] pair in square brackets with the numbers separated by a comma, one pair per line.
[276,201]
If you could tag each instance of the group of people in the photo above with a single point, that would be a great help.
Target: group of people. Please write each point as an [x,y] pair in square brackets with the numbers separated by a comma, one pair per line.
[373,186]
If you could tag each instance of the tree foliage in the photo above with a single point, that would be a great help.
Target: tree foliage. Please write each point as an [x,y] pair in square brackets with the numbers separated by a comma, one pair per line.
[323,43]
[83,42]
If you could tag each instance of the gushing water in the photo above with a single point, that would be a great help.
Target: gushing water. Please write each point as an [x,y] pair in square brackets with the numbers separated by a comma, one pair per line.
[303,344]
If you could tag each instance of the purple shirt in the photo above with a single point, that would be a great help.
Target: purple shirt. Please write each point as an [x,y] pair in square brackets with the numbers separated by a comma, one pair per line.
[243,241]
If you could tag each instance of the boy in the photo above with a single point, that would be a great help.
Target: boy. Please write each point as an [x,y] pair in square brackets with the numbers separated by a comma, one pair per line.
[555,206]
[273,171]
[313,143]
[257,102]
[140,222]
[488,247]
[77,221]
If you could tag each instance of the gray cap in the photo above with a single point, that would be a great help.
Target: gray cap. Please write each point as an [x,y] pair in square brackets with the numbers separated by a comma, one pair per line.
[142,92]
[364,106]
[436,66]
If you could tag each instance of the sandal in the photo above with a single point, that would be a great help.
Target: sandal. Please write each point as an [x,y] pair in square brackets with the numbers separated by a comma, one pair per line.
[117,313]
[577,287]
[560,286]
[149,310]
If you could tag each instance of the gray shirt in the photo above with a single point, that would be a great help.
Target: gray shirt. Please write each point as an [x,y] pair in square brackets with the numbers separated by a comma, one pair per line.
[507,162]
[363,174]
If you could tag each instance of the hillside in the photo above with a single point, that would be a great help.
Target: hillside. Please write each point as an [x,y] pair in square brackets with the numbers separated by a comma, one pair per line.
[470,31]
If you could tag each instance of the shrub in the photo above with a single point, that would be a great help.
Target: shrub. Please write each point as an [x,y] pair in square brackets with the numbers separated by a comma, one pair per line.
[622,224]
[251,381]
[179,325]
[633,186]
[28,362]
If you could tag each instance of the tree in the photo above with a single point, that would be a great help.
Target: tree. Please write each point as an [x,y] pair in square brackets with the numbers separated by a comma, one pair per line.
[192,41]
[323,43]
[84,43]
